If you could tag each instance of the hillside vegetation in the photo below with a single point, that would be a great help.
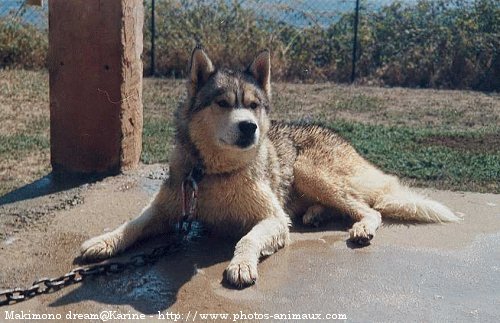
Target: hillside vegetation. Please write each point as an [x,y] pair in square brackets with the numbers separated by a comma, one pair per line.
[432,43]
[429,43]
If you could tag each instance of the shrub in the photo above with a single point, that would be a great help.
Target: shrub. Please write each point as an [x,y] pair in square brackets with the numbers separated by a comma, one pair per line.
[430,43]
[434,43]
[22,45]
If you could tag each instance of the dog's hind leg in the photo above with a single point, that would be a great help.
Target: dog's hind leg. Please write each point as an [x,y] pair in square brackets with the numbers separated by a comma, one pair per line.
[368,221]
[156,218]
[315,216]
[324,187]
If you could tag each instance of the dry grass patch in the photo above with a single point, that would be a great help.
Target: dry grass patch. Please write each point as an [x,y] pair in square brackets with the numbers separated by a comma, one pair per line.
[444,123]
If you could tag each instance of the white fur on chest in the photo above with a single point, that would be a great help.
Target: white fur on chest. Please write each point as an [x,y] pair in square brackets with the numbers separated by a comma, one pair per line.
[234,200]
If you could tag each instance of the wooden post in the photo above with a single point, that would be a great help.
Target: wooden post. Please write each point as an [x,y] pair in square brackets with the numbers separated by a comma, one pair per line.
[95,84]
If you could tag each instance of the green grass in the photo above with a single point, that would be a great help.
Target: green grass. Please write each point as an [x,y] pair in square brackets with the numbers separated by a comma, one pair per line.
[394,135]
[358,103]
[157,138]
[23,157]
[407,152]
[442,139]
[34,137]
[402,151]
[17,144]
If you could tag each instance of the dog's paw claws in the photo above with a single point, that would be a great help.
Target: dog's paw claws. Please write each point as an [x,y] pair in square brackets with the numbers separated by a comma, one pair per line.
[98,248]
[361,234]
[241,274]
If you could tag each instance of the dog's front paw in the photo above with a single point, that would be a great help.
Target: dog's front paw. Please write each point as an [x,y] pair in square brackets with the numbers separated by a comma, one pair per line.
[361,233]
[101,247]
[241,273]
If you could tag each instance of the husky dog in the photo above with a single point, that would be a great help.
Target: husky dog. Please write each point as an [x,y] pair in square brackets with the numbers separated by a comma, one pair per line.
[258,175]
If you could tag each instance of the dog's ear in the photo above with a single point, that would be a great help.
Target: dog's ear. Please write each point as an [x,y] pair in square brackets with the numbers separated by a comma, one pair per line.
[200,69]
[260,69]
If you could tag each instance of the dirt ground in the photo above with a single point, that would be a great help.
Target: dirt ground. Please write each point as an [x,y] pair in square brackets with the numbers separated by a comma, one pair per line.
[410,272]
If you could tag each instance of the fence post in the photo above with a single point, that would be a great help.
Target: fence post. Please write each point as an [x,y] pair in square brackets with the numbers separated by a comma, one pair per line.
[355,42]
[153,36]
[95,79]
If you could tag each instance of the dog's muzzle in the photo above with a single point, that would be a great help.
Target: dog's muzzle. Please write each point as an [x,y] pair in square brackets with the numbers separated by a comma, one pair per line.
[247,134]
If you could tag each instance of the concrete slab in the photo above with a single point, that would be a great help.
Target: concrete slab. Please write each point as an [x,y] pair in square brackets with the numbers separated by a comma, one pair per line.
[410,273]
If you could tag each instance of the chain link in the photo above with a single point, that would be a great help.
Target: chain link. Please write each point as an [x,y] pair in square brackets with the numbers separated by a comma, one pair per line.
[189,194]
[77,275]
[47,285]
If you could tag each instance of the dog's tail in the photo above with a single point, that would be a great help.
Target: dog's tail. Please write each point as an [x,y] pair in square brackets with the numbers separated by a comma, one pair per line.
[401,203]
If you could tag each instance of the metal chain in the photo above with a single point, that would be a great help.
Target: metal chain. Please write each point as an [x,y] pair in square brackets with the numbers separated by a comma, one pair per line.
[189,195]
[77,275]
[47,285]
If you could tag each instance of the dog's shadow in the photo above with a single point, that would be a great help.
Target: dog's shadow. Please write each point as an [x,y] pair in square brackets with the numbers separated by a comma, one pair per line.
[152,288]
[334,221]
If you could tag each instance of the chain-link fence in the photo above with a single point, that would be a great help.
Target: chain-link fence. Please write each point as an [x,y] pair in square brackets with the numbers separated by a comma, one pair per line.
[23,34]
[246,25]
[419,43]
[174,27]
[21,11]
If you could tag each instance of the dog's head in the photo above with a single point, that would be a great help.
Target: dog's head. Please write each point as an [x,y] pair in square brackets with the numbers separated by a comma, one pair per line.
[227,111]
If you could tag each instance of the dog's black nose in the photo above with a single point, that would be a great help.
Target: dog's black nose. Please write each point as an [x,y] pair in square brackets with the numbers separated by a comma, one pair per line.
[247,128]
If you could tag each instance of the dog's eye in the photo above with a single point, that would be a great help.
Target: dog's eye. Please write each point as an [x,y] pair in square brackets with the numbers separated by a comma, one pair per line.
[253,105]
[224,104]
